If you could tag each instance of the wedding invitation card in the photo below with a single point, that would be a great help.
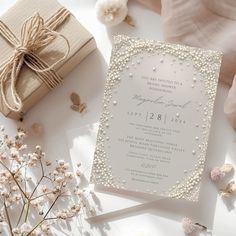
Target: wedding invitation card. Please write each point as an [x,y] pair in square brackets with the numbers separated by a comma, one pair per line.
[157,110]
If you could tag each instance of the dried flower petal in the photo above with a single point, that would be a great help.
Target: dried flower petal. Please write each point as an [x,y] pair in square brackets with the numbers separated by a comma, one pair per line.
[48,163]
[230,188]
[129,20]
[74,107]
[75,98]
[227,168]
[82,107]
[217,174]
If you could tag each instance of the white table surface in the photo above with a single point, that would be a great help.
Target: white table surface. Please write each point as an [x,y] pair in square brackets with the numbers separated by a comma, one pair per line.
[88,80]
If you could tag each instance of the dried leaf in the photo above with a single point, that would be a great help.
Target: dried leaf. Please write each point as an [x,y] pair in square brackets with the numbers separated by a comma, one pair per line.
[129,20]
[230,188]
[227,168]
[82,107]
[77,105]
[74,107]
[75,98]
[48,163]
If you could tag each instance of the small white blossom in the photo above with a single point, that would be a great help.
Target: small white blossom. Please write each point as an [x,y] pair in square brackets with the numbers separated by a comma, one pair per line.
[69,175]
[16,231]
[28,181]
[25,228]
[61,162]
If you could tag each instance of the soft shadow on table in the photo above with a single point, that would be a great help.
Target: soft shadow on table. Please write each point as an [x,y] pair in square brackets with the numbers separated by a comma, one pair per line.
[203,211]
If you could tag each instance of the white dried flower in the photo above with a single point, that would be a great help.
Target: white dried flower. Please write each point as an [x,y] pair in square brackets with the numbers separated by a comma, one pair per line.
[45,227]
[14,188]
[218,173]
[61,162]
[44,188]
[111,12]
[78,173]
[77,190]
[69,175]
[16,231]
[59,179]
[36,196]
[14,152]
[25,228]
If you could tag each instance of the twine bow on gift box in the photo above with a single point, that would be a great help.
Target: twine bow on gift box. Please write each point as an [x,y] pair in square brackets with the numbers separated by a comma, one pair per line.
[35,35]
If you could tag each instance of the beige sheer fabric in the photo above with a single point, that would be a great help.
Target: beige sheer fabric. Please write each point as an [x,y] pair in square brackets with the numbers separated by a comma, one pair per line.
[201,23]
[207,24]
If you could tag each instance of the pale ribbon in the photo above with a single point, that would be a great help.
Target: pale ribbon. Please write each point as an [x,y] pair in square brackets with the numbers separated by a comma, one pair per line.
[35,35]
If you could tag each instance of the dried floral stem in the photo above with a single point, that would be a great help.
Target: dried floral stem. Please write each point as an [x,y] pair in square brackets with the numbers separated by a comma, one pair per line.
[27,211]
[41,195]
[25,181]
[54,202]
[44,218]
[203,226]
[14,179]
[35,227]
[40,180]
[19,186]
[16,168]
[8,218]
[21,214]
[41,165]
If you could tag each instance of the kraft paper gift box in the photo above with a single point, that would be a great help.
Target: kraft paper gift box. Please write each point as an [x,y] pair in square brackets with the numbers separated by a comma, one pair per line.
[29,86]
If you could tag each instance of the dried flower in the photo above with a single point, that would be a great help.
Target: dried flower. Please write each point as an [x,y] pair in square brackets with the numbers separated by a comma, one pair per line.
[229,189]
[75,98]
[217,173]
[189,226]
[111,12]
[36,129]
[129,20]
[77,105]
[36,197]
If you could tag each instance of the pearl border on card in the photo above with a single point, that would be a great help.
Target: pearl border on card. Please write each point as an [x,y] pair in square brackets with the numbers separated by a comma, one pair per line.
[206,62]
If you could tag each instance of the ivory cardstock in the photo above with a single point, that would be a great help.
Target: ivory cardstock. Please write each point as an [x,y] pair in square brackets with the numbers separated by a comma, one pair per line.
[157,111]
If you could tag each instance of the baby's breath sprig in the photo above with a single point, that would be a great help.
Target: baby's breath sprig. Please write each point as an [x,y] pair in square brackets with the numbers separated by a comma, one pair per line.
[33,190]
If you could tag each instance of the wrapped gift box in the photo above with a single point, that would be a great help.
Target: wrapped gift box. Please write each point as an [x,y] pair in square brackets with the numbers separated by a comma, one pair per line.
[29,87]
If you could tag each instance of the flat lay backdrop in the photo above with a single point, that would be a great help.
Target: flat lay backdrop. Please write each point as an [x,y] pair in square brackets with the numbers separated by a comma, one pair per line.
[54,113]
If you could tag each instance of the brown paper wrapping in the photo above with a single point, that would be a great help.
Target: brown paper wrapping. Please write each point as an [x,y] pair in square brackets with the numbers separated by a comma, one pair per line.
[30,88]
